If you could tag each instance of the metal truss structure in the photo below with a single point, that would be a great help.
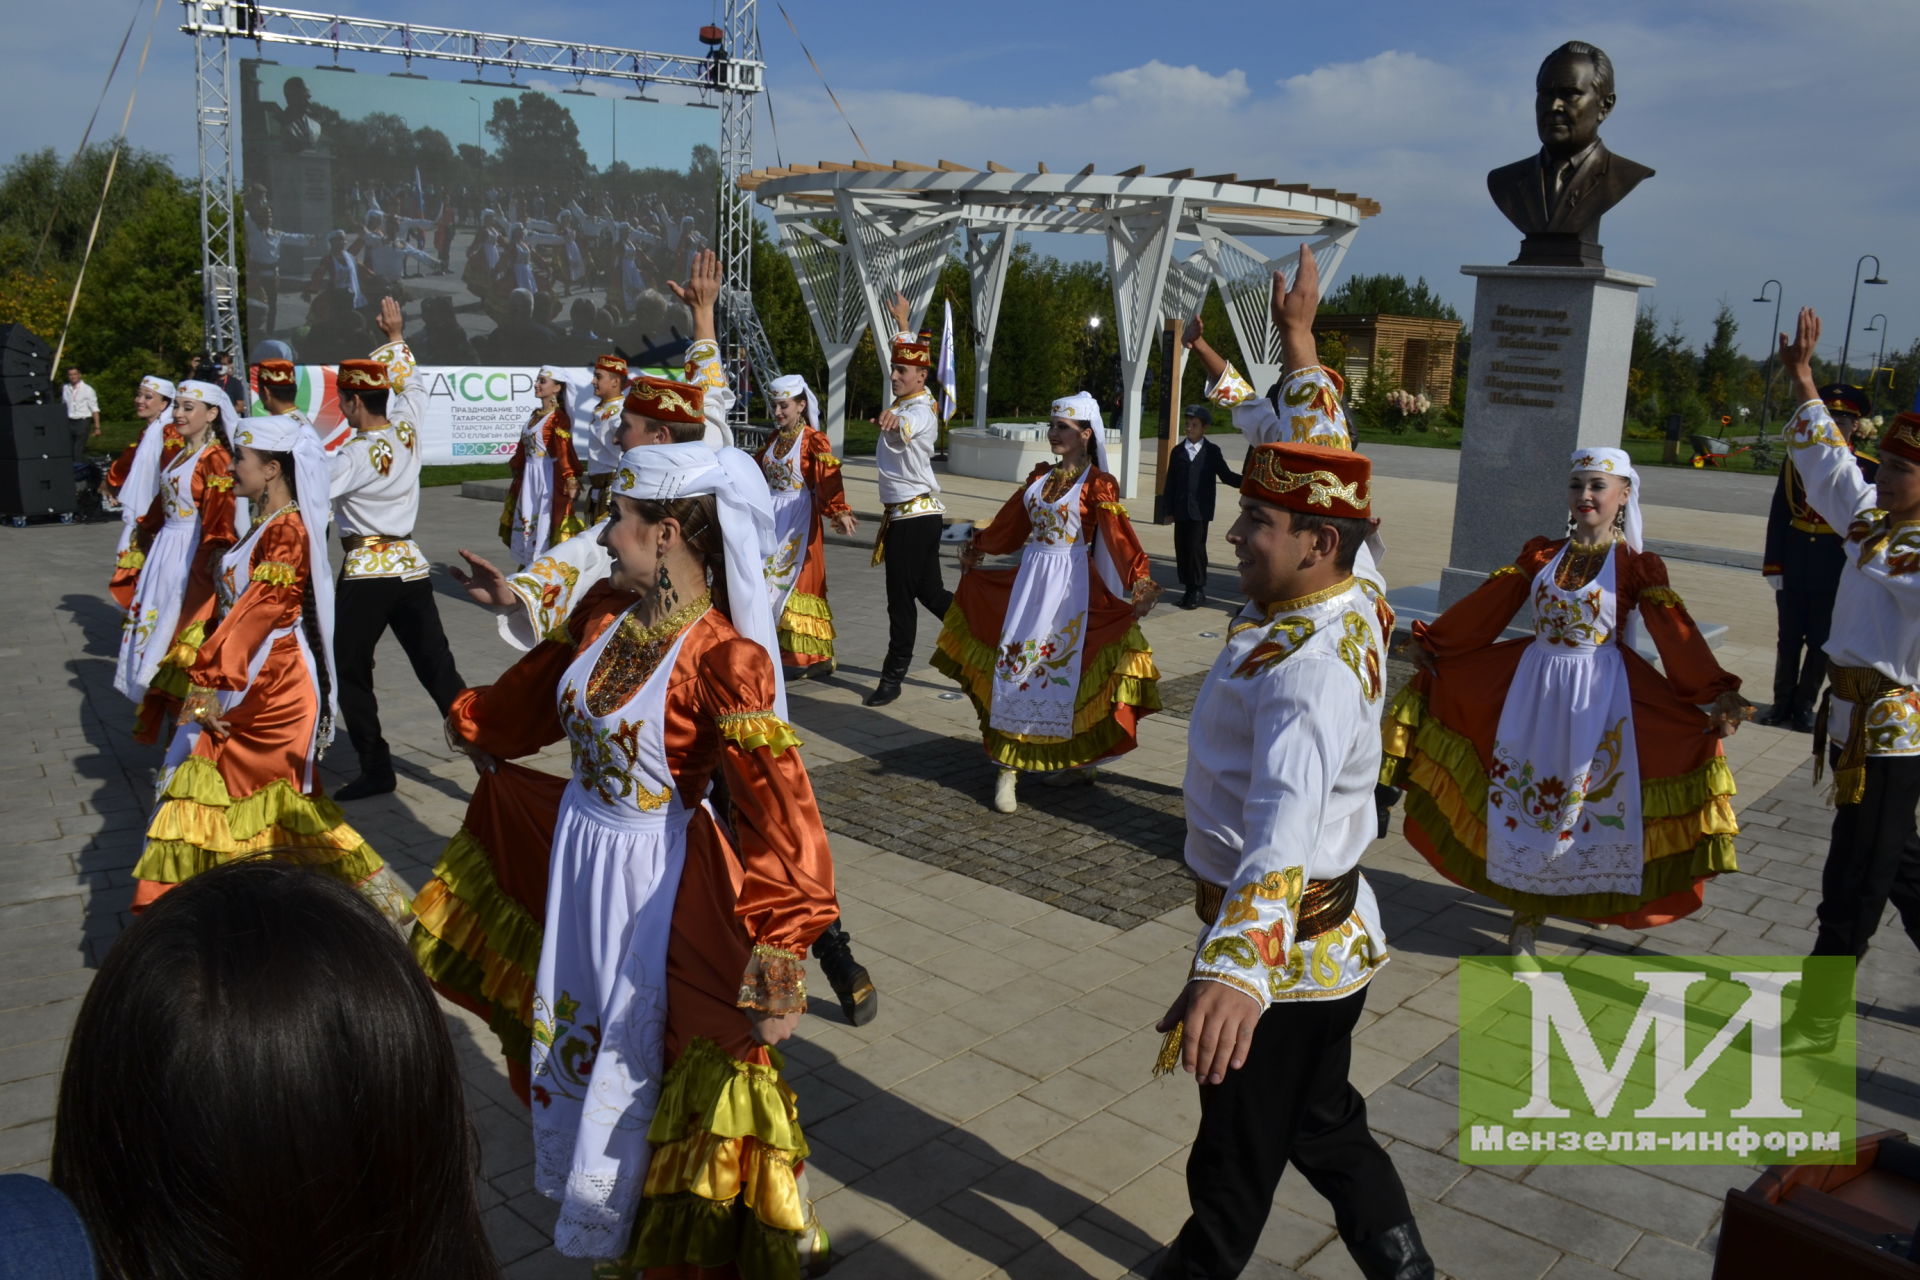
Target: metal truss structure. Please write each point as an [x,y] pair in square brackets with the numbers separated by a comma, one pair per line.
[899,222]
[733,71]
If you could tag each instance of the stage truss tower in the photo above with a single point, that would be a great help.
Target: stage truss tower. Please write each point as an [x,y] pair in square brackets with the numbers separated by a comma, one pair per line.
[732,72]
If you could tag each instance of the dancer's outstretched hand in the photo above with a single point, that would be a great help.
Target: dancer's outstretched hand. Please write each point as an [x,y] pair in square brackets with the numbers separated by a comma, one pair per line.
[486,586]
[772,1029]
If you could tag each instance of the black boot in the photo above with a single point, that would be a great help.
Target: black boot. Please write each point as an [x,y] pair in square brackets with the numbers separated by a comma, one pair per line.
[1814,1026]
[847,976]
[1384,798]
[883,693]
[376,776]
[1395,1254]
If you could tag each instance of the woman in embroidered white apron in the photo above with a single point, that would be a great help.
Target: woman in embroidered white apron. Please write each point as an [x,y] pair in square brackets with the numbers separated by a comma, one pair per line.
[173,599]
[671,935]
[804,478]
[539,510]
[1051,654]
[240,776]
[1560,773]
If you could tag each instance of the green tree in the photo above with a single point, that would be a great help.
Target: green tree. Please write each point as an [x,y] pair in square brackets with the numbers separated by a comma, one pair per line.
[538,139]
[1386,295]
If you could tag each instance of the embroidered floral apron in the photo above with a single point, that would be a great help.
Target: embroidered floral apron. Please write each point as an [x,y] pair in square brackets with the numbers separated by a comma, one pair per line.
[1563,793]
[147,632]
[1036,673]
[600,997]
[792,515]
[533,507]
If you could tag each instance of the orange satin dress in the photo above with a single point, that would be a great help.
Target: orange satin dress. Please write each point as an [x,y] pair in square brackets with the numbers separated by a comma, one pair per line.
[126,568]
[565,518]
[255,792]
[1118,681]
[213,495]
[1440,736]
[806,622]
[753,895]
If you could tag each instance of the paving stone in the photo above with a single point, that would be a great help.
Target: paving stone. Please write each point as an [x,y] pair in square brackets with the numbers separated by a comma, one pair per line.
[1106,1151]
[1543,1217]
[1636,1198]
[1657,1259]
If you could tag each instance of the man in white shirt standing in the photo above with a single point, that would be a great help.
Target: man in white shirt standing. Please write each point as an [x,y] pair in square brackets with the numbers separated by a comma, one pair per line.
[383,580]
[1282,756]
[911,510]
[83,411]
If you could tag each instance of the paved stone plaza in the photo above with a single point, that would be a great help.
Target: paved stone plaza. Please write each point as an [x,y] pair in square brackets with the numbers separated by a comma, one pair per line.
[998,1118]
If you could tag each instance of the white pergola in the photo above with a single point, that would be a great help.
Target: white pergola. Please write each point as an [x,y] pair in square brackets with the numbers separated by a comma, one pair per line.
[1169,236]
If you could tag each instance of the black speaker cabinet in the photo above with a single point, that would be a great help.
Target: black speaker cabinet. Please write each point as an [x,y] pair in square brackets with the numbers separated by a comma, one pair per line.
[34,431]
[36,486]
[26,366]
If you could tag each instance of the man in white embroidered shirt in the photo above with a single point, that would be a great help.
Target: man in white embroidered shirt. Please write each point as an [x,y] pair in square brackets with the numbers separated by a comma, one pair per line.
[1283,753]
[83,411]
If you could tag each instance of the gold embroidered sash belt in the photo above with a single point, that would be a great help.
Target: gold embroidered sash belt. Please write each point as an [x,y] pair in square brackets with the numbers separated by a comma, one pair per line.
[1861,686]
[373,541]
[1324,906]
[1810,526]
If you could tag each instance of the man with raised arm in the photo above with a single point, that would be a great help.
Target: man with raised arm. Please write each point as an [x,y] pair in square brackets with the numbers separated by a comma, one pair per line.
[383,580]
[911,510]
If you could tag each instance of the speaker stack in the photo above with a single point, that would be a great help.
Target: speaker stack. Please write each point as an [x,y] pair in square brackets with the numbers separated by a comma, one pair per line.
[36,448]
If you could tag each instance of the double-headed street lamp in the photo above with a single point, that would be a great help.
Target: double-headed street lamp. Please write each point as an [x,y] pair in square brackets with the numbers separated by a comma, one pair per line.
[1766,374]
[1846,344]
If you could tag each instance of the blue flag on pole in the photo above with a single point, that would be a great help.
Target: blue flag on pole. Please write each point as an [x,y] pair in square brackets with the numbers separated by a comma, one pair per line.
[949,395]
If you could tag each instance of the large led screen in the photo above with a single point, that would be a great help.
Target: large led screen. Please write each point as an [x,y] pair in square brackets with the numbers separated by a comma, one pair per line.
[517,225]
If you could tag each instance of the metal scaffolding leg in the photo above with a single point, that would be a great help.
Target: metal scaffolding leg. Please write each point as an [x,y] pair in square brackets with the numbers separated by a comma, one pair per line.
[219,227]
[740,335]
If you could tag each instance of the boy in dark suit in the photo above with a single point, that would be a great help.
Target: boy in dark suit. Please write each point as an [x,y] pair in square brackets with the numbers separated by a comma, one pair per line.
[1194,467]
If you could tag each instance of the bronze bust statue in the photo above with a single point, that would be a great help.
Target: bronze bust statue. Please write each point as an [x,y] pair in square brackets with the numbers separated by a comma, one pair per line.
[1556,196]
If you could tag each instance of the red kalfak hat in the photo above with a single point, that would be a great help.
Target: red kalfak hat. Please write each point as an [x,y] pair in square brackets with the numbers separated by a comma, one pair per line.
[664,400]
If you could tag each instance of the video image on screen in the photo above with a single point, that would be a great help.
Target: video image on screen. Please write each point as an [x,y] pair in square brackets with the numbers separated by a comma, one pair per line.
[516,225]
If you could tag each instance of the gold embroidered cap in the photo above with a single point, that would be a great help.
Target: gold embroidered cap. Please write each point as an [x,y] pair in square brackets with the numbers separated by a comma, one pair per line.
[276,373]
[917,353]
[1903,436]
[1310,478]
[612,364]
[664,400]
[363,375]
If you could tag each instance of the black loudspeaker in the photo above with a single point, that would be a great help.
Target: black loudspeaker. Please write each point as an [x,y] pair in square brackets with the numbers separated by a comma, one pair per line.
[36,486]
[26,366]
[34,431]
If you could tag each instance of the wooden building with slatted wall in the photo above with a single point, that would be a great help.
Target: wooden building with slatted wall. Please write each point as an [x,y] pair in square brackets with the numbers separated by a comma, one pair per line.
[1421,350]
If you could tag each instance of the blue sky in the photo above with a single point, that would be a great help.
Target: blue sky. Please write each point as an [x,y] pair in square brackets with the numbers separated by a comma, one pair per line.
[1782,130]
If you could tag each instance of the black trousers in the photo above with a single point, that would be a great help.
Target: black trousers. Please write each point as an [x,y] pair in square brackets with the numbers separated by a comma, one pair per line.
[1874,858]
[1290,1102]
[913,578]
[1800,661]
[1190,552]
[363,610]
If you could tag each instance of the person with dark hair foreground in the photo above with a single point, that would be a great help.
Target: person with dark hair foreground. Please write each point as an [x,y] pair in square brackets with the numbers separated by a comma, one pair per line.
[260,1084]
[1281,761]
[689,874]
[1051,653]
[376,498]
[241,775]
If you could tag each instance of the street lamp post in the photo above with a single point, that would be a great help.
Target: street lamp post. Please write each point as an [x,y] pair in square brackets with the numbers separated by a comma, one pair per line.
[1766,374]
[1878,322]
[1846,344]
[476,122]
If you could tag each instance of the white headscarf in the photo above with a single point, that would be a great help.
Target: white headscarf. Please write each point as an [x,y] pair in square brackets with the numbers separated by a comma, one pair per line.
[1081,407]
[207,393]
[1616,462]
[143,474]
[664,472]
[312,481]
[794,387]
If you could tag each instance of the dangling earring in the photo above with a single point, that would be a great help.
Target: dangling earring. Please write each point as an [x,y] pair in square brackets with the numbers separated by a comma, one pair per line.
[1569,525]
[1620,522]
[668,597]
